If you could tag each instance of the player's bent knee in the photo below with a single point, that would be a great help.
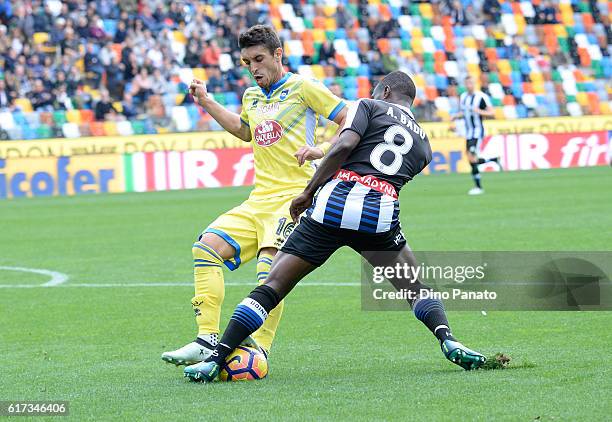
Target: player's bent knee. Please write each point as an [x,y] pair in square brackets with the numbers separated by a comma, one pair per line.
[217,244]
[268,251]
[205,255]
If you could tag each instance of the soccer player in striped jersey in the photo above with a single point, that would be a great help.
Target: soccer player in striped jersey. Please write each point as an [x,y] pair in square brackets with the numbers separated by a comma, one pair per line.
[352,200]
[279,118]
[473,107]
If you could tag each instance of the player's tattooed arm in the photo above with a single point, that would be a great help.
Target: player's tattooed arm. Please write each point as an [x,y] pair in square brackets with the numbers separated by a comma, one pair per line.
[332,162]
[228,120]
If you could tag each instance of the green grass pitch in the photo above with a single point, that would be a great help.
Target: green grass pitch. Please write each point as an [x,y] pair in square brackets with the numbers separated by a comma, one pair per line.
[99,347]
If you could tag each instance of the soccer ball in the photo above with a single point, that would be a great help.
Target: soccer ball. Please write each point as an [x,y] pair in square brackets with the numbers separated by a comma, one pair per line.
[245,363]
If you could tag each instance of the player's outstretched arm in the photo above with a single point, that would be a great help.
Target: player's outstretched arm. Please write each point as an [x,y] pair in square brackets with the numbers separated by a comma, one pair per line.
[332,162]
[228,120]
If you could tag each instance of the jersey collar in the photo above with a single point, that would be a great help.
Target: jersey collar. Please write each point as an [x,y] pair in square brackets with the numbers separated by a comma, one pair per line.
[276,84]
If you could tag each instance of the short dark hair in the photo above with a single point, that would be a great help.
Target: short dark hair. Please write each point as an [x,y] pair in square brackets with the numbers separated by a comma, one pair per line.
[400,83]
[260,35]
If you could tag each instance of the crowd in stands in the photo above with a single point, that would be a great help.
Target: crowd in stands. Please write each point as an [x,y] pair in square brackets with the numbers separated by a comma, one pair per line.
[75,67]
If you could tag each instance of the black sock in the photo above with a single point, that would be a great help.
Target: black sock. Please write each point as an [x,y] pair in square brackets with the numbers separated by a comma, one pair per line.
[475,174]
[248,316]
[431,313]
[481,161]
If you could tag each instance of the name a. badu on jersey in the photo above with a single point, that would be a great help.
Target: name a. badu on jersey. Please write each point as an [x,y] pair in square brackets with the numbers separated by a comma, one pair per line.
[408,122]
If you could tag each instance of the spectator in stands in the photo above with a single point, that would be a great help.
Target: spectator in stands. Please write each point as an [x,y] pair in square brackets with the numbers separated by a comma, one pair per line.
[43,18]
[114,77]
[121,33]
[159,85]
[104,109]
[93,66]
[142,85]
[57,34]
[106,54]
[389,61]
[62,99]
[343,17]
[326,52]
[215,81]
[192,55]
[546,13]
[129,109]
[6,101]
[377,68]
[492,11]
[41,99]
[461,15]
[211,54]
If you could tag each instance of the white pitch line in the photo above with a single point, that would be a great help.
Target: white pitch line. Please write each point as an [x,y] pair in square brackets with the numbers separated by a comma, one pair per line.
[57,278]
[124,285]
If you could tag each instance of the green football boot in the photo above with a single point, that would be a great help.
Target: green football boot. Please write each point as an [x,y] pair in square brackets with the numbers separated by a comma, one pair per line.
[462,356]
[202,372]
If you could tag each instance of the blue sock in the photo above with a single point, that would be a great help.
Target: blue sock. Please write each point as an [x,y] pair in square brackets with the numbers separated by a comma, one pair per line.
[431,313]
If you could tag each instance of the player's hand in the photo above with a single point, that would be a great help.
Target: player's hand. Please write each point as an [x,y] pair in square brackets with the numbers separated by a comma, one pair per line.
[300,204]
[197,89]
[309,153]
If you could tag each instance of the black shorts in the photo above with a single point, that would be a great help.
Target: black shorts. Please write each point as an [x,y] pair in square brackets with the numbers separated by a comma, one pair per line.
[473,145]
[315,242]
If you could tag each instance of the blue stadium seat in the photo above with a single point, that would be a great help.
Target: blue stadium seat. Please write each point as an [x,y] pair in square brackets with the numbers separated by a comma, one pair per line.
[231,98]
[110,26]
[363,70]
[350,94]
[350,82]
[295,62]
[441,82]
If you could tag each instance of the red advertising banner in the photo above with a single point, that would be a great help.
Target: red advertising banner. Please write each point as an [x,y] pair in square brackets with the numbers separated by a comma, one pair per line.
[169,170]
[530,151]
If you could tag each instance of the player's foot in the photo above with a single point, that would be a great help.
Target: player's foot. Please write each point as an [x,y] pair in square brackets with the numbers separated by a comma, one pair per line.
[499,164]
[250,342]
[476,191]
[194,352]
[462,356]
[202,372]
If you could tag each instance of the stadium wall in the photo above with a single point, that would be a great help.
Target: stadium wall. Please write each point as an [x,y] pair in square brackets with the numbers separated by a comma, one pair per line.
[214,159]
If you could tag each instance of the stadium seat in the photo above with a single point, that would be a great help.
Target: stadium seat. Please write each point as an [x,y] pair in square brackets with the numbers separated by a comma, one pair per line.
[124,128]
[71,130]
[24,104]
[110,128]
[97,129]
[87,116]
[33,118]
[73,116]
[59,117]
[180,118]
[7,121]
[138,127]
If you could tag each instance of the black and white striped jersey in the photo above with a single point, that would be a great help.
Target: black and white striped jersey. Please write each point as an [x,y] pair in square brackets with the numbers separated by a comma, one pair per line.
[363,195]
[474,128]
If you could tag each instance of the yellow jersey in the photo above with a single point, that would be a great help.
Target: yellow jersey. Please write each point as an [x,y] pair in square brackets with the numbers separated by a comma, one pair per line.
[281,121]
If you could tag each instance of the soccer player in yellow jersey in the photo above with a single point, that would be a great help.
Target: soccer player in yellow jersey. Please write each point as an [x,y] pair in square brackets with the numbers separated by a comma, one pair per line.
[279,117]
